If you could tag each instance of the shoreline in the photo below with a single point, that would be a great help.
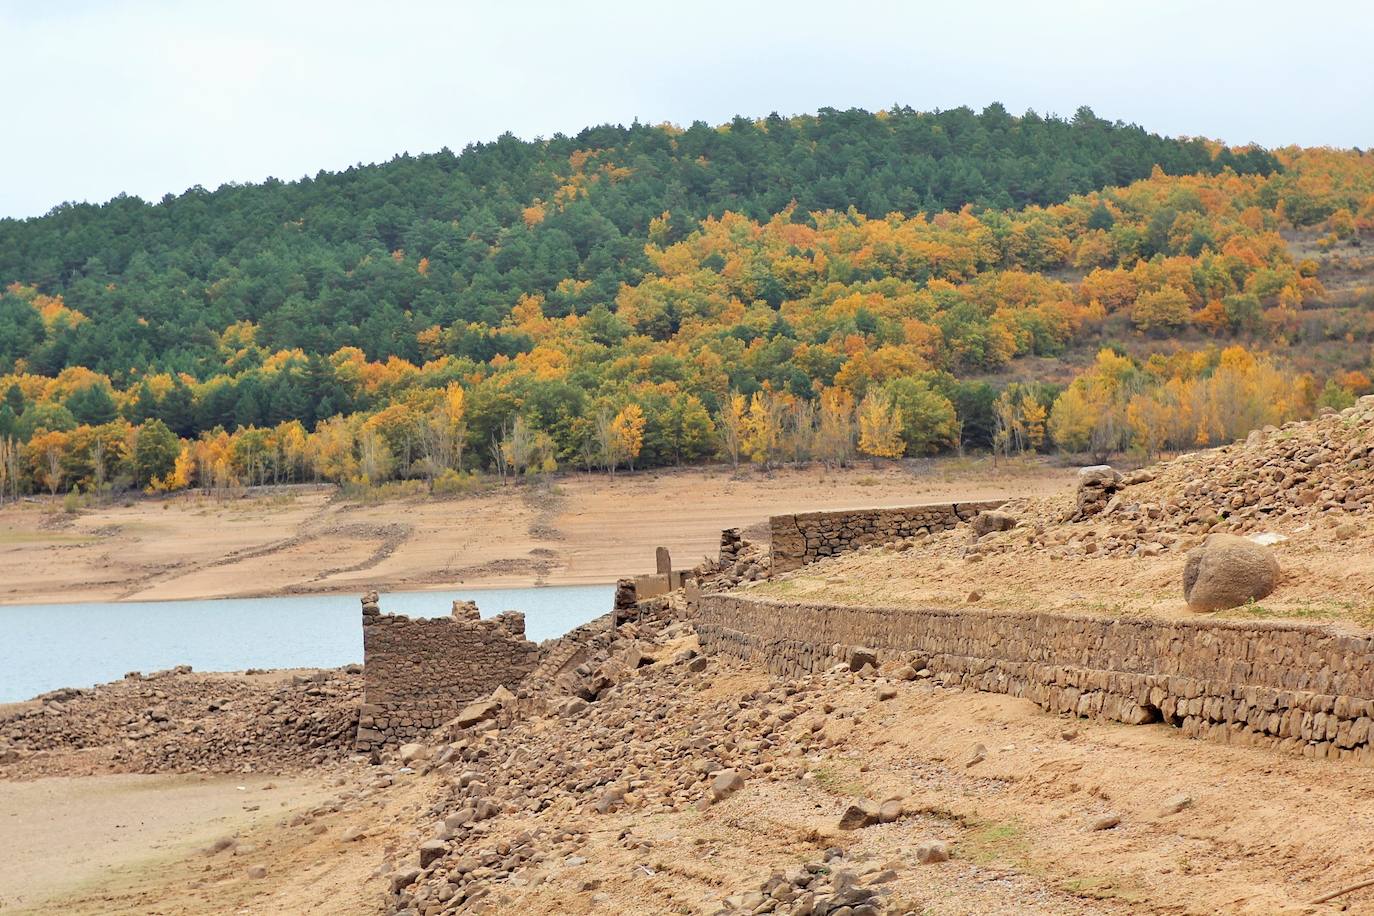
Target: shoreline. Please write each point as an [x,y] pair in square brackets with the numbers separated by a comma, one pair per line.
[579,530]
[326,591]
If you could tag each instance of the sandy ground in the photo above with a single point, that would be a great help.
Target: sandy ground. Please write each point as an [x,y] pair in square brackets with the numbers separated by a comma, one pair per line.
[68,839]
[1263,834]
[1325,577]
[582,529]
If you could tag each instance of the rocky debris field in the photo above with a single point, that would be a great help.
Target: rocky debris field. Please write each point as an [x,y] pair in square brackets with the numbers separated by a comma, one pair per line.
[648,778]
[633,774]
[179,721]
[1118,541]
[1315,475]
[529,788]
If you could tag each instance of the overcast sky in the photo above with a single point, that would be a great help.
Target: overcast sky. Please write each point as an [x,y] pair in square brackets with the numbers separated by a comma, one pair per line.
[155,96]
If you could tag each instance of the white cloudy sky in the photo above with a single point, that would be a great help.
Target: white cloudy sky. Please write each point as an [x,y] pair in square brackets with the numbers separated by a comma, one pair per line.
[154,96]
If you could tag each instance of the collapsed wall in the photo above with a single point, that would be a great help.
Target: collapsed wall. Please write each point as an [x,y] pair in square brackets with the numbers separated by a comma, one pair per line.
[808,536]
[1299,688]
[418,673]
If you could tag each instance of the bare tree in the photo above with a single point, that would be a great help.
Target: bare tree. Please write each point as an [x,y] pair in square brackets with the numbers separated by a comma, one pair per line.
[9,467]
[608,441]
[98,464]
[730,428]
[519,446]
[374,457]
[498,451]
[835,429]
[800,432]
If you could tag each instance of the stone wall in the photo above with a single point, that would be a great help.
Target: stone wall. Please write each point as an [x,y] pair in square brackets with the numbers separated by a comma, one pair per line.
[1298,688]
[418,673]
[806,537]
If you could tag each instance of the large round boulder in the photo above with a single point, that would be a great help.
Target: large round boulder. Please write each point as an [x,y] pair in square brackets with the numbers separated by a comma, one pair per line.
[1227,571]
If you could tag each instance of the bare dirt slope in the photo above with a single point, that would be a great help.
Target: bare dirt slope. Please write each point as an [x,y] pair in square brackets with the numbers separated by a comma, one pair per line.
[1258,834]
[65,837]
[1308,488]
[582,529]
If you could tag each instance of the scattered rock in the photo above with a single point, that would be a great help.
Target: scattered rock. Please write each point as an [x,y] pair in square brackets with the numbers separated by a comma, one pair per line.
[856,816]
[889,811]
[860,657]
[725,783]
[988,521]
[1176,803]
[431,851]
[414,752]
[928,852]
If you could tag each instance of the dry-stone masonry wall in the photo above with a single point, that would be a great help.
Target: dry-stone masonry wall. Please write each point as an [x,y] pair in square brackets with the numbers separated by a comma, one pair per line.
[804,538]
[1298,688]
[418,673]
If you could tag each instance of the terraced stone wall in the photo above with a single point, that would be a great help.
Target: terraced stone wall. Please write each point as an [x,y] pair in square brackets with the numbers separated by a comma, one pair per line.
[419,672]
[796,540]
[1302,689]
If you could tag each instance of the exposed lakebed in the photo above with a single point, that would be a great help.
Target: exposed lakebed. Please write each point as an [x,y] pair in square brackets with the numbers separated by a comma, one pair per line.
[47,646]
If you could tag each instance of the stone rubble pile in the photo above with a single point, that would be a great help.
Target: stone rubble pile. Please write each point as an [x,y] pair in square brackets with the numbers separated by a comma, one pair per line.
[825,887]
[639,734]
[179,721]
[740,560]
[1311,478]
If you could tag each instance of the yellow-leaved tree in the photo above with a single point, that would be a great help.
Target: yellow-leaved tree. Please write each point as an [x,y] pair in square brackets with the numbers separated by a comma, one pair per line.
[880,426]
[628,429]
[763,427]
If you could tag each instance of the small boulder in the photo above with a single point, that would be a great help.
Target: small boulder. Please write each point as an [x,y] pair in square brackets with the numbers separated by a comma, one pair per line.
[860,656]
[889,811]
[1226,572]
[410,753]
[431,851]
[257,872]
[931,851]
[989,520]
[1105,822]
[475,712]
[1176,804]
[725,783]
[1098,475]
[856,816]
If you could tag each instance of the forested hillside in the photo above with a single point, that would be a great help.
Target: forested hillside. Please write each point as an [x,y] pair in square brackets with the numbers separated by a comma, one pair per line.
[311,264]
[770,290]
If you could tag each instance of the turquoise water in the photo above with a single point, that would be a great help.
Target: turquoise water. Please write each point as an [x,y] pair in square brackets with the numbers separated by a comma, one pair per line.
[46,646]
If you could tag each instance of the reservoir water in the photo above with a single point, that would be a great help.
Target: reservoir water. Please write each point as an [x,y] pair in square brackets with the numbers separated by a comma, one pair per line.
[47,646]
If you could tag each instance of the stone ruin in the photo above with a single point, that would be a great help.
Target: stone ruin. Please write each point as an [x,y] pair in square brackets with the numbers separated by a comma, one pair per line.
[662,580]
[796,540]
[420,672]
